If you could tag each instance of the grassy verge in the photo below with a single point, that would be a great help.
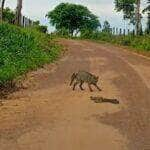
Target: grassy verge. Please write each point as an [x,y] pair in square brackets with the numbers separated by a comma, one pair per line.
[140,44]
[22,50]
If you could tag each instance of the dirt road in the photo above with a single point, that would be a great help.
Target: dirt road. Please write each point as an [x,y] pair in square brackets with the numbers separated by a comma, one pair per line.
[48,115]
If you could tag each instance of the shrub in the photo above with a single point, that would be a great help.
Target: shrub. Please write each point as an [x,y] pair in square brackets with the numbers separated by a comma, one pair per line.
[22,50]
[41,28]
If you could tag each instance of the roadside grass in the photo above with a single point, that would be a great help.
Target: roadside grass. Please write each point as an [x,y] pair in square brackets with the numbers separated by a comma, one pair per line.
[22,50]
[139,44]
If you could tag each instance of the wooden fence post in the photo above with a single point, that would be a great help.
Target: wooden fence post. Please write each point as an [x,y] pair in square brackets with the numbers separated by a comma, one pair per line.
[116,31]
[124,32]
[133,32]
[120,31]
[128,31]
[113,30]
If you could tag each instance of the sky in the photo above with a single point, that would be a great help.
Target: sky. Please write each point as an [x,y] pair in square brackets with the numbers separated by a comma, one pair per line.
[104,9]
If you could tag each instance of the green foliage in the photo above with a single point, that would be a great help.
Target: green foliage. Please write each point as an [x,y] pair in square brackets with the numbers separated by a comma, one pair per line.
[97,35]
[87,34]
[73,18]
[22,50]
[106,27]
[36,23]
[8,15]
[147,9]
[128,8]
[90,34]
[141,43]
[42,28]
[62,33]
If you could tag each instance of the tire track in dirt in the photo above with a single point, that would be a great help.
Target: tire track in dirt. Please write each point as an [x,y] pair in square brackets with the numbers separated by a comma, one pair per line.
[49,115]
[133,82]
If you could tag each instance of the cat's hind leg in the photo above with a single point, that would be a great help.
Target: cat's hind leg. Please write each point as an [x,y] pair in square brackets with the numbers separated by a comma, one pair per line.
[81,86]
[90,87]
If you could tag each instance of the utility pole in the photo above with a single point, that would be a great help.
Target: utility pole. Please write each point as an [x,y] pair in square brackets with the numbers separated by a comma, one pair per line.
[18,12]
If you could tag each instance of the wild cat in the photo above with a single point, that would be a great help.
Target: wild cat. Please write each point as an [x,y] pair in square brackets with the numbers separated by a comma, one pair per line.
[83,76]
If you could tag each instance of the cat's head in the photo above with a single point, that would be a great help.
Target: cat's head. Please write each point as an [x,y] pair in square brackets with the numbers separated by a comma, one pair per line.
[96,78]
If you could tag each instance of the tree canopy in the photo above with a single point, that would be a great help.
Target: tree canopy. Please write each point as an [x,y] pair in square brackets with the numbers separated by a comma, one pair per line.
[73,18]
[131,11]
[147,9]
[8,15]
[127,7]
[106,26]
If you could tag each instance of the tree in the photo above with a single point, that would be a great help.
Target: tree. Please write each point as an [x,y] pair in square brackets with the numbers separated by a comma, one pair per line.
[131,11]
[1,9]
[147,9]
[148,24]
[138,17]
[8,15]
[18,12]
[0,12]
[73,18]
[106,27]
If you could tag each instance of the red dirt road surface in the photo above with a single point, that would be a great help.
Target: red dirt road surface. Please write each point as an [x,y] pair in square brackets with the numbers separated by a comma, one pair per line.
[48,115]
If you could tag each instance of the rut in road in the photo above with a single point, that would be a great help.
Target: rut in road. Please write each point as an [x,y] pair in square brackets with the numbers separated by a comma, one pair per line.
[49,115]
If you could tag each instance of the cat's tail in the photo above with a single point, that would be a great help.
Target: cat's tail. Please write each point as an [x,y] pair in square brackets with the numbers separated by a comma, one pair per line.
[73,78]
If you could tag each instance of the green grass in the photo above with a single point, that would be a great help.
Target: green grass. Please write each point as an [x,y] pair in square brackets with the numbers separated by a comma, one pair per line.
[139,43]
[22,50]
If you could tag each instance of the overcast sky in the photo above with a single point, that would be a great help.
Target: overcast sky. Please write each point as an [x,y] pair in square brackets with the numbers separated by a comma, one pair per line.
[104,9]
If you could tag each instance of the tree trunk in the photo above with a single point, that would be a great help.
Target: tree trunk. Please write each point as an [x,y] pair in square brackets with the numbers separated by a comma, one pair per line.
[18,12]
[1,9]
[77,31]
[71,31]
[138,17]
[148,23]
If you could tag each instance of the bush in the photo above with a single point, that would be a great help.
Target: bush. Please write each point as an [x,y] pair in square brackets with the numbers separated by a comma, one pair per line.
[41,28]
[8,15]
[22,50]
[95,35]
[87,34]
